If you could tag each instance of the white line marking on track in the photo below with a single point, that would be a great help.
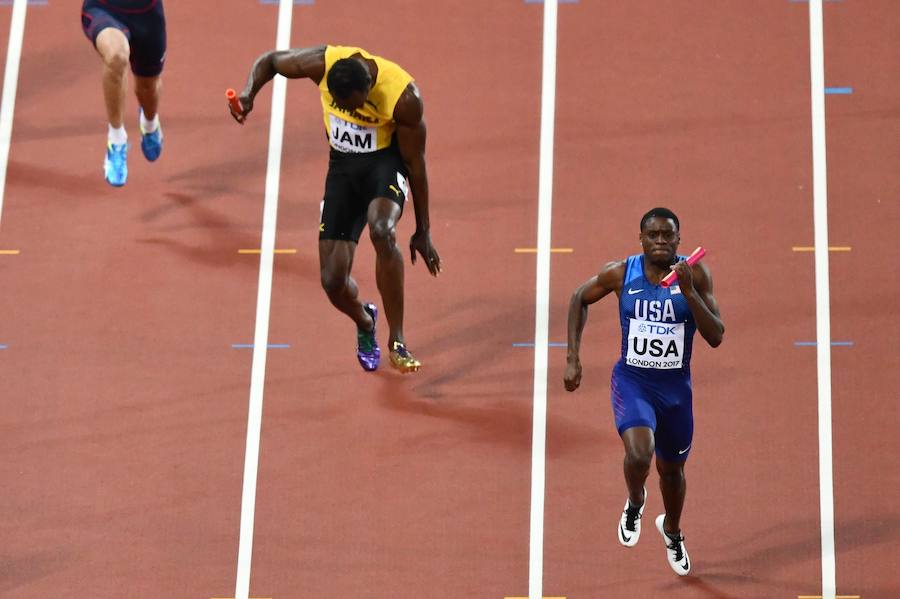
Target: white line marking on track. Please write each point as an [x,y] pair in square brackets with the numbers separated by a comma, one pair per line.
[823,315]
[10,83]
[542,302]
[263,302]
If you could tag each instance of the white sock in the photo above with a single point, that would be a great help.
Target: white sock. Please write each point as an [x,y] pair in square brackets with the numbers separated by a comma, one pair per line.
[117,136]
[149,126]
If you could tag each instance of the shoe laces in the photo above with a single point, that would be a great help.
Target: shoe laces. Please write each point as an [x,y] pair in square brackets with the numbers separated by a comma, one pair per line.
[365,340]
[676,544]
[400,349]
[632,515]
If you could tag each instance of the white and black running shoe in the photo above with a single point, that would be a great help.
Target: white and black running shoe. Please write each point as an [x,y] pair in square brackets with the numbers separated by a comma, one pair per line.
[630,522]
[676,552]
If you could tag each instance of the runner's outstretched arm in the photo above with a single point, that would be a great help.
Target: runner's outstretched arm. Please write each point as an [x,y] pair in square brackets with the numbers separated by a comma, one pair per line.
[297,63]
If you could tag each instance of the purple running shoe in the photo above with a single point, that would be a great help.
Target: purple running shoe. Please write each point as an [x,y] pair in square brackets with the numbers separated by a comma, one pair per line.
[367,351]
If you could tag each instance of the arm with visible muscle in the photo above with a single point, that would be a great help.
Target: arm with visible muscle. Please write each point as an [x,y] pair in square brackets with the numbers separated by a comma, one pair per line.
[696,286]
[297,63]
[411,134]
[608,280]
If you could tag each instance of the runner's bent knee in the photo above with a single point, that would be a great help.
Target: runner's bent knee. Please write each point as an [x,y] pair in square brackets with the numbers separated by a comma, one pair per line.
[333,282]
[383,231]
[114,48]
[670,471]
[636,458]
[146,84]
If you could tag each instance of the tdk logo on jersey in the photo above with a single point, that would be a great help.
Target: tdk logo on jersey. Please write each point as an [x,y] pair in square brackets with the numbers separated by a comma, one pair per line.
[657,329]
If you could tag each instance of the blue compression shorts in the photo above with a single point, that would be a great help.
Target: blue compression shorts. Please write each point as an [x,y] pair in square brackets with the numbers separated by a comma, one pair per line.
[658,399]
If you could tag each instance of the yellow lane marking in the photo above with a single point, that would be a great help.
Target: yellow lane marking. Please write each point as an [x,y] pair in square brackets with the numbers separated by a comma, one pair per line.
[9,252]
[257,251]
[831,248]
[534,251]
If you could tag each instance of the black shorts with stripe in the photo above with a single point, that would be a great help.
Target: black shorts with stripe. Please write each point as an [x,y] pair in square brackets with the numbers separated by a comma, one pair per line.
[353,181]
[142,21]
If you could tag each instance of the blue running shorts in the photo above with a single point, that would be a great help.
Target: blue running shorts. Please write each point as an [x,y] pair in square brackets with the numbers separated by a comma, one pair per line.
[658,399]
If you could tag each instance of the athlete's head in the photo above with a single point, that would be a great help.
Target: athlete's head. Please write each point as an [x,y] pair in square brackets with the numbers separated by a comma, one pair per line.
[660,236]
[348,83]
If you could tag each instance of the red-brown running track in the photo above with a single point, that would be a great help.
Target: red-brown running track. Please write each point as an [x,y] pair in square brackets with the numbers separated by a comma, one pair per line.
[124,405]
[864,185]
[708,111]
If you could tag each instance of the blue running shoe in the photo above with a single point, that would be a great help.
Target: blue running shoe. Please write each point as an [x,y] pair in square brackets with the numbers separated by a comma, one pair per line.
[151,143]
[367,351]
[115,167]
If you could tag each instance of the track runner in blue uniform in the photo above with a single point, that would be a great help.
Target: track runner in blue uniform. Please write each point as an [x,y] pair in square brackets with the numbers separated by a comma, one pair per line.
[651,383]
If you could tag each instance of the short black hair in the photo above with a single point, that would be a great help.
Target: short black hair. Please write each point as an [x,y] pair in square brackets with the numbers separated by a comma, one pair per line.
[346,76]
[661,213]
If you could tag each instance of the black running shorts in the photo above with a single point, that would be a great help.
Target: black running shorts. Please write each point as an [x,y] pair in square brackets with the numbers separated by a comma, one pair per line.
[143,23]
[353,181]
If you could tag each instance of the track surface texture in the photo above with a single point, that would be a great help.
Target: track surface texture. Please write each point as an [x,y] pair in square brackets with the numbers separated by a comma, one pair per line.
[123,409]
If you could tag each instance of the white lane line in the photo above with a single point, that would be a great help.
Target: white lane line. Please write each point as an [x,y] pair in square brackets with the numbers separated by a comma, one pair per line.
[823,315]
[542,303]
[263,301]
[10,83]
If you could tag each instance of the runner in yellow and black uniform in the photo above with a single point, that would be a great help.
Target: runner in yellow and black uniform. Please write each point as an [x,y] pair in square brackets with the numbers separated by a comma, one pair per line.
[373,121]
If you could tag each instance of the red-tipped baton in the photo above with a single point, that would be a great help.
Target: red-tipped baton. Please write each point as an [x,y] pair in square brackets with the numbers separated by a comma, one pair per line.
[232,98]
[693,259]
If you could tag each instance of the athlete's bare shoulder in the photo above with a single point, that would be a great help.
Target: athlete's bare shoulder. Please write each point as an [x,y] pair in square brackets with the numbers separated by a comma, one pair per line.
[299,63]
[312,61]
[608,280]
[612,275]
[410,108]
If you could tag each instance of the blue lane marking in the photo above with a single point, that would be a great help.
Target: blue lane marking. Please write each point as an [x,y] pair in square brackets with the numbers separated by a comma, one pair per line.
[551,344]
[269,346]
[833,343]
[307,2]
[839,90]
[4,347]
[29,3]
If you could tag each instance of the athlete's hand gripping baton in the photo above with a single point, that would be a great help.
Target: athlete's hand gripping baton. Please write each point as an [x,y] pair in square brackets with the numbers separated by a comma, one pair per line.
[693,259]
[233,101]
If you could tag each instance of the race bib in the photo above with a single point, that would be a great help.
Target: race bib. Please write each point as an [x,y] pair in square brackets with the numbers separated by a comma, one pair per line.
[655,344]
[345,136]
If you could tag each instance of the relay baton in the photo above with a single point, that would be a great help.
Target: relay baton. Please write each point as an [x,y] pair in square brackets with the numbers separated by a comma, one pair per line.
[233,101]
[693,259]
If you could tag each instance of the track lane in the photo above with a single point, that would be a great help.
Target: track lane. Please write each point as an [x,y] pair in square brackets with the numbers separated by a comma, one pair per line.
[382,485]
[126,404]
[711,120]
[862,149]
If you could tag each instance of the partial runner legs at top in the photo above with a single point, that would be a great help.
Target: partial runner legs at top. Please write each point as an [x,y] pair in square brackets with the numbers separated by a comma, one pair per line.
[124,34]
